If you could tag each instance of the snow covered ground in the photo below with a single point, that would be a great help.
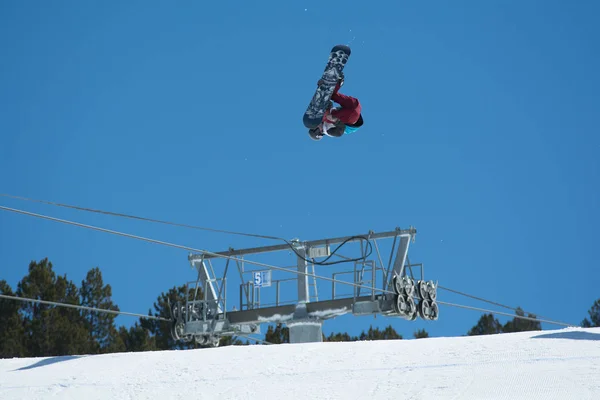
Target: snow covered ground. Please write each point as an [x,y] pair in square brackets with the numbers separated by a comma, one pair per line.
[563,364]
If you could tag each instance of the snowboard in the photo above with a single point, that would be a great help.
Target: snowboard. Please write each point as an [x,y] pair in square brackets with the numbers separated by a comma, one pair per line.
[333,71]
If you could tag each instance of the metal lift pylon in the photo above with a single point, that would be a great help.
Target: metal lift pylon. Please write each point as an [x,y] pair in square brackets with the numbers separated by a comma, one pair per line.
[391,290]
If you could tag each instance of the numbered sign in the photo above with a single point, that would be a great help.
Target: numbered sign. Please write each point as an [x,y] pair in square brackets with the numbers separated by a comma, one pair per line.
[262,278]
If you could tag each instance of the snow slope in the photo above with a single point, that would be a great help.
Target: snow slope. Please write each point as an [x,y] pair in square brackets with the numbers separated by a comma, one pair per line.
[563,364]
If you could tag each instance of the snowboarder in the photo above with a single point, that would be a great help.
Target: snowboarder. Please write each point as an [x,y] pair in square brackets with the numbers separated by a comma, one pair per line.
[339,121]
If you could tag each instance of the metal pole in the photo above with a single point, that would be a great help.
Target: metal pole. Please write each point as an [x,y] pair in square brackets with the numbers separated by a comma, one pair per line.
[311,243]
[303,295]
[356,282]
[333,286]
[386,282]
[373,276]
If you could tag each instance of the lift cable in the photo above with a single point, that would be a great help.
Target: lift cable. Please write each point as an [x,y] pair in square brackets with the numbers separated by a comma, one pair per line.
[262,264]
[104,310]
[506,314]
[488,301]
[158,221]
[186,248]
[122,215]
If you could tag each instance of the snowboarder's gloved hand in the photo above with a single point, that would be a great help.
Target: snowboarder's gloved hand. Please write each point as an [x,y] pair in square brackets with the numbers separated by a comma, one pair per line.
[327,117]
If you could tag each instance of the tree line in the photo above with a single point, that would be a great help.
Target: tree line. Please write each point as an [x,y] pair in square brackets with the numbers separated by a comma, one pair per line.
[30,329]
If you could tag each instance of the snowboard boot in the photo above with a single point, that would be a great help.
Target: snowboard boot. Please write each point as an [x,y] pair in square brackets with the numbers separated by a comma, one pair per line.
[315,133]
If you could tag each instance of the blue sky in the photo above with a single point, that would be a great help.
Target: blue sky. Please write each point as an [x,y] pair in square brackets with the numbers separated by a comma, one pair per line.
[481,130]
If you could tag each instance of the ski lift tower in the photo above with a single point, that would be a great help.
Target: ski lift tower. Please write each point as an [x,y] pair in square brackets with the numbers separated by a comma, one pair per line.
[395,288]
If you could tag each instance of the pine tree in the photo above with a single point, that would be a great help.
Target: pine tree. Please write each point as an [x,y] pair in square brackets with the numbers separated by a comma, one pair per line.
[101,326]
[421,334]
[115,341]
[277,335]
[340,337]
[389,333]
[487,325]
[231,341]
[594,313]
[136,339]
[12,333]
[51,330]
[67,330]
[520,324]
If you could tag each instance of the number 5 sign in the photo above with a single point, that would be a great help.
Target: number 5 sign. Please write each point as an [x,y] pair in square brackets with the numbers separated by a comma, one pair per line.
[262,278]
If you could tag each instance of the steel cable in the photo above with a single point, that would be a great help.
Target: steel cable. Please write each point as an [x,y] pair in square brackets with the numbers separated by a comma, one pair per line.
[104,310]
[506,314]
[247,261]
[122,215]
[186,248]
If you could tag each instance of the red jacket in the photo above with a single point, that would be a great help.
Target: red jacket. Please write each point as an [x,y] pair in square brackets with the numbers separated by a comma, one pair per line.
[350,110]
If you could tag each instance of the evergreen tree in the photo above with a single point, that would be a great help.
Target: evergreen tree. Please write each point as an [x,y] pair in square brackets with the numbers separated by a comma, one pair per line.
[135,339]
[67,328]
[101,326]
[116,343]
[487,325]
[594,313]
[389,333]
[51,330]
[277,335]
[340,337]
[231,341]
[520,324]
[421,334]
[12,333]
